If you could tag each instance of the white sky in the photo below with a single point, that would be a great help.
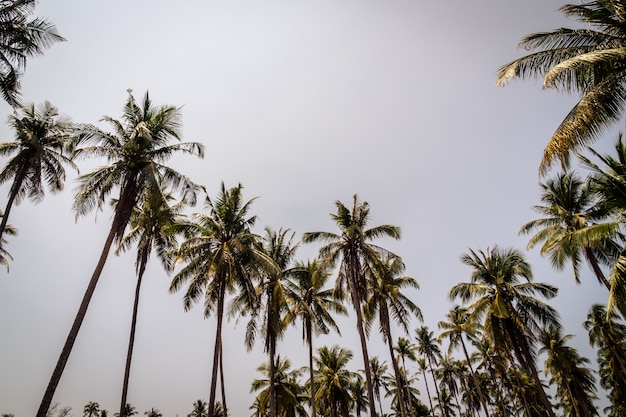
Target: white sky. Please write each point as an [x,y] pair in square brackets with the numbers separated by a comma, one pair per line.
[304,103]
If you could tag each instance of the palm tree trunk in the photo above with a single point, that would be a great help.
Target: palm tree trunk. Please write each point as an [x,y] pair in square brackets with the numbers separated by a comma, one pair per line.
[593,261]
[311,372]
[131,339]
[396,370]
[218,345]
[430,400]
[272,353]
[17,183]
[78,320]
[432,373]
[475,378]
[222,385]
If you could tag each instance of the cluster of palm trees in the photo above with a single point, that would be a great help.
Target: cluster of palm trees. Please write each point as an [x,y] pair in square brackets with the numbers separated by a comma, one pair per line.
[496,334]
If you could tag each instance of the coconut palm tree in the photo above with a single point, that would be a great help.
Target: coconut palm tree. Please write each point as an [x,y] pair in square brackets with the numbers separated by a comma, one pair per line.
[574,381]
[151,228]
[139,144]
[91,409]
[385,301]
[129,410]
[378,370]
[589,61]
[358,255]
[573,226]
[333,380]
[199,409]
[288,391]
[358,392]
[503,297]
[313,304]
[221,256]
[428,347]
[153,412]
[20,38]
[422,365]
[457,324]
[37,155]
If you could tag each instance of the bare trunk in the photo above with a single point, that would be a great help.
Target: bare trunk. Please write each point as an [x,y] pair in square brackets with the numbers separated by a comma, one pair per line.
[432,373]
[272,353]
[78,320]
[430,400]
[17,183]
[218,346]
[593,261]
[483,401]
[222,385]
[311,372]
[394,362]
[131,339]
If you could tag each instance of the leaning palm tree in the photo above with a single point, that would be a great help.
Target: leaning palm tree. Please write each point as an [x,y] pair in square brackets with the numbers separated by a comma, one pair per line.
[137,147]
[589,61]
[575,383]
[457,324]
[221,256]
[503,297]
[385,301]
[151,228]
[313,304]
[574,226]
[20,38]
[358,255]
[38,153]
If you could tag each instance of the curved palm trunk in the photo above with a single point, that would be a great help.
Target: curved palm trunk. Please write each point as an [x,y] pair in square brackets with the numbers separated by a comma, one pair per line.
[595,266]
[483,401]
[17,183]
[131,339]
[311,372]
[218,346]
[78,320]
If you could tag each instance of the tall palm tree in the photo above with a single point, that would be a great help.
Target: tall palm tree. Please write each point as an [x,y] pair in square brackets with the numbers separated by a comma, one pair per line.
[313,304]
[574,381]
[288,391]
[503,293]
[457,324]
[333,380]
[589,61]
[221,256]
[91,409]
[358,255]
[280,250]
[20,38]
[428,347]
[38,153]
[136,149]
[385,301]
[151,223]
[574,226]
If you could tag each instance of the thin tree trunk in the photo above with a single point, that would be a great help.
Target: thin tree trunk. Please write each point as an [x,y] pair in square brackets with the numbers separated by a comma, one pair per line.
[430,400]
[272,353]
[17,183]
[312,380]
[222,385]
[78,320]
[131,339]
[396,370]
[218,345]
[593,261]
[432,373]
[483,401]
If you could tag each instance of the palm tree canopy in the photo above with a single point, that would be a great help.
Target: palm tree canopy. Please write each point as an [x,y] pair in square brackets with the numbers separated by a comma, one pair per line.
[590,61]
[20,38]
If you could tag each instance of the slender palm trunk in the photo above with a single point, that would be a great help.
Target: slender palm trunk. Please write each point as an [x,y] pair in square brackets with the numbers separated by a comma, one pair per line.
[481,395]
[222,385]
[17,183]
[430,400]
[78,320]
[218,345]
[593,261]
[311,372]
[272,353]
[396,369]
[131,339]
[432,373]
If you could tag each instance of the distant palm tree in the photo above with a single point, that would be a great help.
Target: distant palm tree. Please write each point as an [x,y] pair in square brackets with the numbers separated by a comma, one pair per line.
[153,412]
[199,409]
[20,38]
[357,254]
[287,389]
[221,254]
[358,391]
[428,347]
[588,60]
[333,380]
[313,304]
[503,295]
[91,409]
[129,411]
[378,370]
[39,151]
[136,149]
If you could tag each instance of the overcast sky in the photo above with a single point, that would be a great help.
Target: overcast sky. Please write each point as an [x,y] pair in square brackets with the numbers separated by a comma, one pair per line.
[304,103]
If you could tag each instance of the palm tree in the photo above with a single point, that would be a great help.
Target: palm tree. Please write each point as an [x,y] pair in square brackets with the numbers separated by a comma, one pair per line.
[378,370]
[153,412]
[575,382]
[199,409]
[221,255]
[358,392]
[313,304]
[91,409]
[423,367]
[333,380]
[457,324]
[428,347]
[588,61]
[38,152]
[571,226]
[357,256]
[136,150]
[386,299]
[503,295]
[4,254]
[151,224]
[129,410]
[20,38]
[288,392]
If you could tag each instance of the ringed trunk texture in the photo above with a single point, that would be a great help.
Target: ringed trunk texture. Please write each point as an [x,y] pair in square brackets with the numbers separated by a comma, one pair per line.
[78,321]
[218,347]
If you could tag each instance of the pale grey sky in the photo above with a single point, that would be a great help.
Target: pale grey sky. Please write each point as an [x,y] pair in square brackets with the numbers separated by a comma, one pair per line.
[304,103]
